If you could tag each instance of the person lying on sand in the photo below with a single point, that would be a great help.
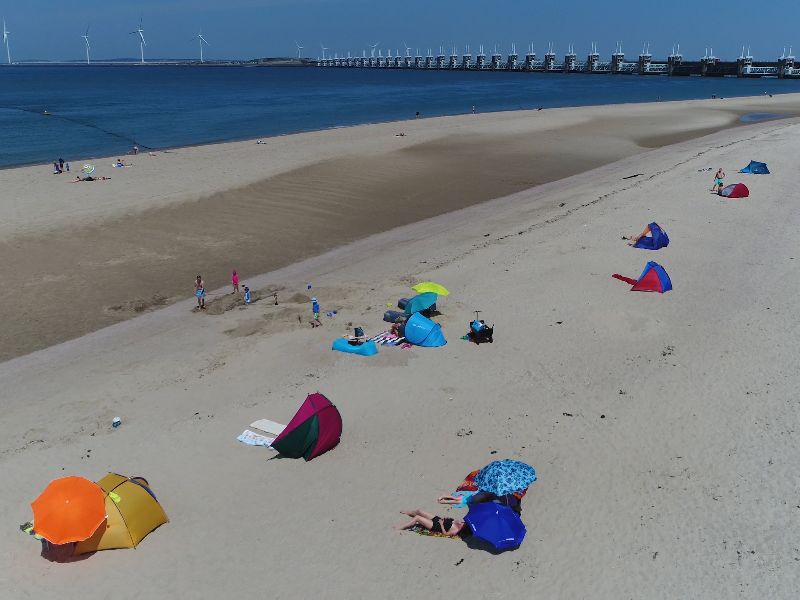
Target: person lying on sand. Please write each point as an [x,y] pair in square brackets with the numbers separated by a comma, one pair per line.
[89,178]
[434,524]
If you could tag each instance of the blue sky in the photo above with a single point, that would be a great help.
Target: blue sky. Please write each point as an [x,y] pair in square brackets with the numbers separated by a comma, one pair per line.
[253,28]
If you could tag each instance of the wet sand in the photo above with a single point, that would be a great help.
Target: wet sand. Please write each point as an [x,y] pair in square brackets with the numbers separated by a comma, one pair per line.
[83,256]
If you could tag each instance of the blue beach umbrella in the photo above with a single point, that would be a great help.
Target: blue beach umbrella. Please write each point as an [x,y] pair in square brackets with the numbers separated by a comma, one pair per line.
[496,524]
[421,302]
[503,477]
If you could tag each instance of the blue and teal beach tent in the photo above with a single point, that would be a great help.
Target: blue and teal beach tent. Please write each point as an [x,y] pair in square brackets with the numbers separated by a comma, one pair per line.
[421,331]
[756,168]
[657,239]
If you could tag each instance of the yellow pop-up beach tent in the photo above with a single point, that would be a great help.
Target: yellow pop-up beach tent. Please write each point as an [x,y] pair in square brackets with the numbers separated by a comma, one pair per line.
[132,512]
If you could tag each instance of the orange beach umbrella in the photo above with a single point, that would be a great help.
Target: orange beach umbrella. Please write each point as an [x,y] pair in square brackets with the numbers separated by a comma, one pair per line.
[69,509]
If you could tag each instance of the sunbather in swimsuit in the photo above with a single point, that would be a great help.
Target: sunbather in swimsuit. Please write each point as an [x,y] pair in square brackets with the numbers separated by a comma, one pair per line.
[434,524]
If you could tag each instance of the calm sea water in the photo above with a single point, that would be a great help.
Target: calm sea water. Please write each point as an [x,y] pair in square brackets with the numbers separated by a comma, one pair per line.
[97,110]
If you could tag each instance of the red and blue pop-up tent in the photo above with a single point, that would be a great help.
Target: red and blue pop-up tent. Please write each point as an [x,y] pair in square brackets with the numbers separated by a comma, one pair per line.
[314,429]
[653,279]
[735,190]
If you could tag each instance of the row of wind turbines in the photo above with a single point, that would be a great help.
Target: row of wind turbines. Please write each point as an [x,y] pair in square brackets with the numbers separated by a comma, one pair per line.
[139,32]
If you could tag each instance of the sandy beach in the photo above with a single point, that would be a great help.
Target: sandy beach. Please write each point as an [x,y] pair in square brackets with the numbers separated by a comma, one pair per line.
[87,255]
[662,427]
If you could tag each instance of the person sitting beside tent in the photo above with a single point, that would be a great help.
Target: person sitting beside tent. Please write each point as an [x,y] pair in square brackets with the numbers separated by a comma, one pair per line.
[434,524]
[652,238]
[357,338]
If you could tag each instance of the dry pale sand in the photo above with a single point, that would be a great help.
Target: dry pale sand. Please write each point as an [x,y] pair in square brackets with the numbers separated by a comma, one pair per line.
[663,427]
[81,256]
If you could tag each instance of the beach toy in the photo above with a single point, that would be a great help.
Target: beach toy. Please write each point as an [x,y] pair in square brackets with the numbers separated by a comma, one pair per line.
[116,422]
[88,169]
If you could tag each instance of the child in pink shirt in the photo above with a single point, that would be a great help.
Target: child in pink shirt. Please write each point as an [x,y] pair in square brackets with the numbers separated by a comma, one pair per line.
[235,281]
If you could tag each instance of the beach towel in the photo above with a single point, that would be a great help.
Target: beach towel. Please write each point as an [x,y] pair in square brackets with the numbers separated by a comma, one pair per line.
[251,438]
[387,338]
[419,529]
[268,426]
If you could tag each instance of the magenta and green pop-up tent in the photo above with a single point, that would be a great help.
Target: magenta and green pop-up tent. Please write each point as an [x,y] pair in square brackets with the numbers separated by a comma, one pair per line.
[314,429]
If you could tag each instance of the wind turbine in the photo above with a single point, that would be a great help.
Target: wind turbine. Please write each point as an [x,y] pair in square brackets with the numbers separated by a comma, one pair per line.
[299,47]
[372,49]
[200,40]
[142,43]
[85,37]
[323,51]
[5,41]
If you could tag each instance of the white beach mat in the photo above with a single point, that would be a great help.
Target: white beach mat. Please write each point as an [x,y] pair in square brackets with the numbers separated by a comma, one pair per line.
[251,438]
[268,426]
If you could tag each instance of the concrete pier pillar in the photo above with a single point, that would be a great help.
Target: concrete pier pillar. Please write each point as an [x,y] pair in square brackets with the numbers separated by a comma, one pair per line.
[673,62]
[743,64]
[570,62]
[644,62]
[512,62]
[497,62]
[530,58]
[707,63]
[785,65]
[429,63]
[549,61]
[466,61]
[440,61]
[453,63]
[592,62]
[616,61]
[480,59]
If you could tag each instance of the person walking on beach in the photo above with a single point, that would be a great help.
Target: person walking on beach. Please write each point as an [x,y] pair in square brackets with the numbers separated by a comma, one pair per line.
[200,292]
[235,281]
[718,179]
[55,168]
[315,311]
[60,165]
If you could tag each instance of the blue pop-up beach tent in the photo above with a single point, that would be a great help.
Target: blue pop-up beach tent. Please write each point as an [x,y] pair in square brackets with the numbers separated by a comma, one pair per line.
[657,239]
[421,331]
[756,168]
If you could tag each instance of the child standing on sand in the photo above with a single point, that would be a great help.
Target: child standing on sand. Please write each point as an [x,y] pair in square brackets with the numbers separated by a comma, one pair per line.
[235,281]
[315,311]
[200,292]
